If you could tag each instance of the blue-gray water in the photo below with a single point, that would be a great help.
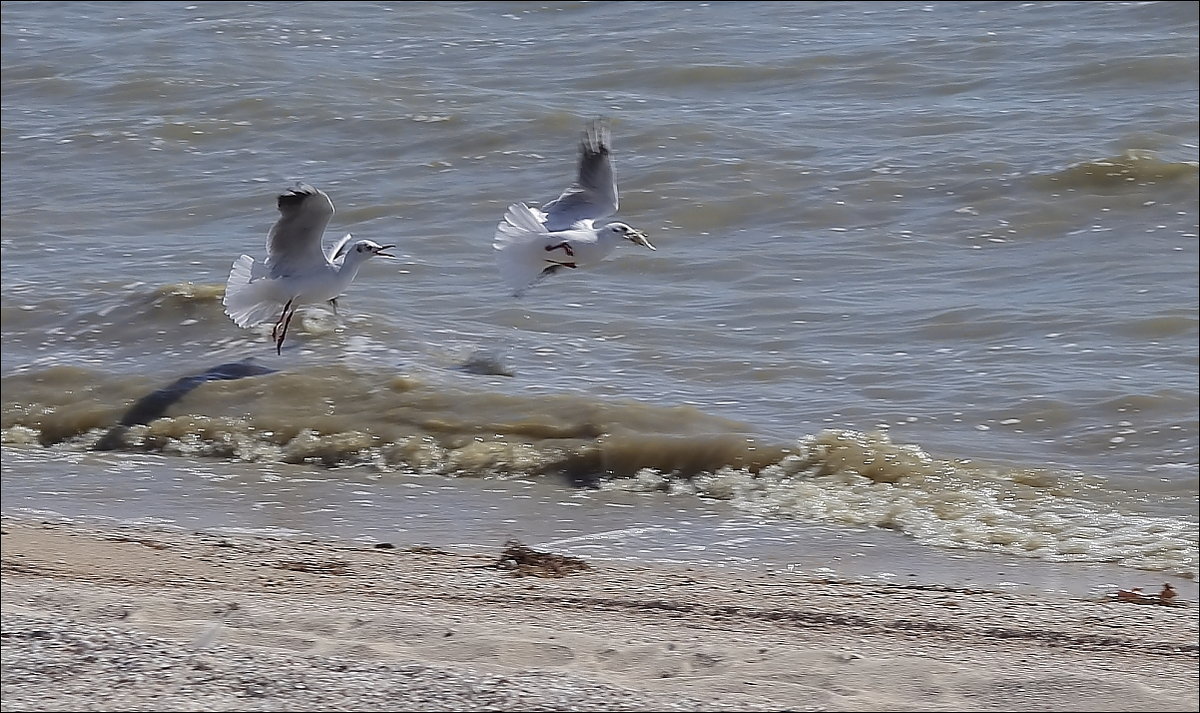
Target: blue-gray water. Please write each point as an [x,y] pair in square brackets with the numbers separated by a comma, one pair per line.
[926,291]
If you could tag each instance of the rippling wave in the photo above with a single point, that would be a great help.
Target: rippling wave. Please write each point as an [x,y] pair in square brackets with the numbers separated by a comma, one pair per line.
[1130,167]
[335,417]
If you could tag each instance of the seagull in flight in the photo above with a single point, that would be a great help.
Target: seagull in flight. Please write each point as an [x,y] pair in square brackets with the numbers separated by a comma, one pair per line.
[532,243]
[297,270]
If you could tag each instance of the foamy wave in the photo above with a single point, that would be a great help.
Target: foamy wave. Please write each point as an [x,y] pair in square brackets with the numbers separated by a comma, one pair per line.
[332,417]
[859,479]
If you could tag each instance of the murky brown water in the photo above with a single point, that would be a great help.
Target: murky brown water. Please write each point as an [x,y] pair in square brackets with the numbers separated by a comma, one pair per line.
[926,282]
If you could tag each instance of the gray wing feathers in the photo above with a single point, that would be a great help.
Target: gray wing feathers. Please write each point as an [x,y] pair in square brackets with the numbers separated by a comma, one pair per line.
[594,194]
[342,247]
[295,240]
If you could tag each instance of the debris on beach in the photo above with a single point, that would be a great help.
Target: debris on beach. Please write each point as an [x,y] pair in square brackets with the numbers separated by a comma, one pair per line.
[1135,595]
[522,561]
[424,550]
[315,567]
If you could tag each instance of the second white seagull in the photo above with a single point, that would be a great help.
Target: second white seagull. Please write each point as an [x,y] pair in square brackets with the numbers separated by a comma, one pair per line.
[297,270]
[532,243]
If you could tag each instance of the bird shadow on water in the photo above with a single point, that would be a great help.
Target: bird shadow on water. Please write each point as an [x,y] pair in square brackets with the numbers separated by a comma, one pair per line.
[485,362]
[155,404]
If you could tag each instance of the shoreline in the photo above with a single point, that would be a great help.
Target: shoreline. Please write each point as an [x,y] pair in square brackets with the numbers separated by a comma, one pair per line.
[139,618]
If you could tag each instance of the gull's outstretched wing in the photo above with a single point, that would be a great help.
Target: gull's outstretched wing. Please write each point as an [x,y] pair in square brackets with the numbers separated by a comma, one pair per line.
[594,193]
[294,244]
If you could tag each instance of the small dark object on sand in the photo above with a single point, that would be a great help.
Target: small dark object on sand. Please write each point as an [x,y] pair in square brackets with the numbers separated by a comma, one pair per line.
[524,562]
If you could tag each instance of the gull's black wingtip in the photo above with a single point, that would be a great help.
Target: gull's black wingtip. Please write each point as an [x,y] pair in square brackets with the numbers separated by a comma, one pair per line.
[597,137]
[296,195]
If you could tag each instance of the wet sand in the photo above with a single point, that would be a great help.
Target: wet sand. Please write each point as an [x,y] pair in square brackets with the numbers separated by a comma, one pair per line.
[129,619]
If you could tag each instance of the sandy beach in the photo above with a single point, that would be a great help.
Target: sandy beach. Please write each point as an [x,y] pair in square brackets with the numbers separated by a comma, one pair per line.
[147,619]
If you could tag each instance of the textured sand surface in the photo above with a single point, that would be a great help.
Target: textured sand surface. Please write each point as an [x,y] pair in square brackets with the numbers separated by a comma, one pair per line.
[147,619]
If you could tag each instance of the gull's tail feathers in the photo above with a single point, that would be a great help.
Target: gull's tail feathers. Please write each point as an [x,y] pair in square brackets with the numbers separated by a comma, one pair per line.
[520,248]
[249,293]
[518,221]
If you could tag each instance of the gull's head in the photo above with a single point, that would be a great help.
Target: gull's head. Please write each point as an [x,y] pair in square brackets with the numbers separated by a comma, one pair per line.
[364,249]
[631,234]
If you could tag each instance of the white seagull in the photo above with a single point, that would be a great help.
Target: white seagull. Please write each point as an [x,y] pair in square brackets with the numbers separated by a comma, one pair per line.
[297,271]
[532,243]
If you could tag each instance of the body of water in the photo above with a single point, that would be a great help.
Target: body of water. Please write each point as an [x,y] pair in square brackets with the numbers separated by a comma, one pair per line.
[924,302]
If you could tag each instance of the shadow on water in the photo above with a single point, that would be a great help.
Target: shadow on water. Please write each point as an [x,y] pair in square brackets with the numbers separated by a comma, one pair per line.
[155,404]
